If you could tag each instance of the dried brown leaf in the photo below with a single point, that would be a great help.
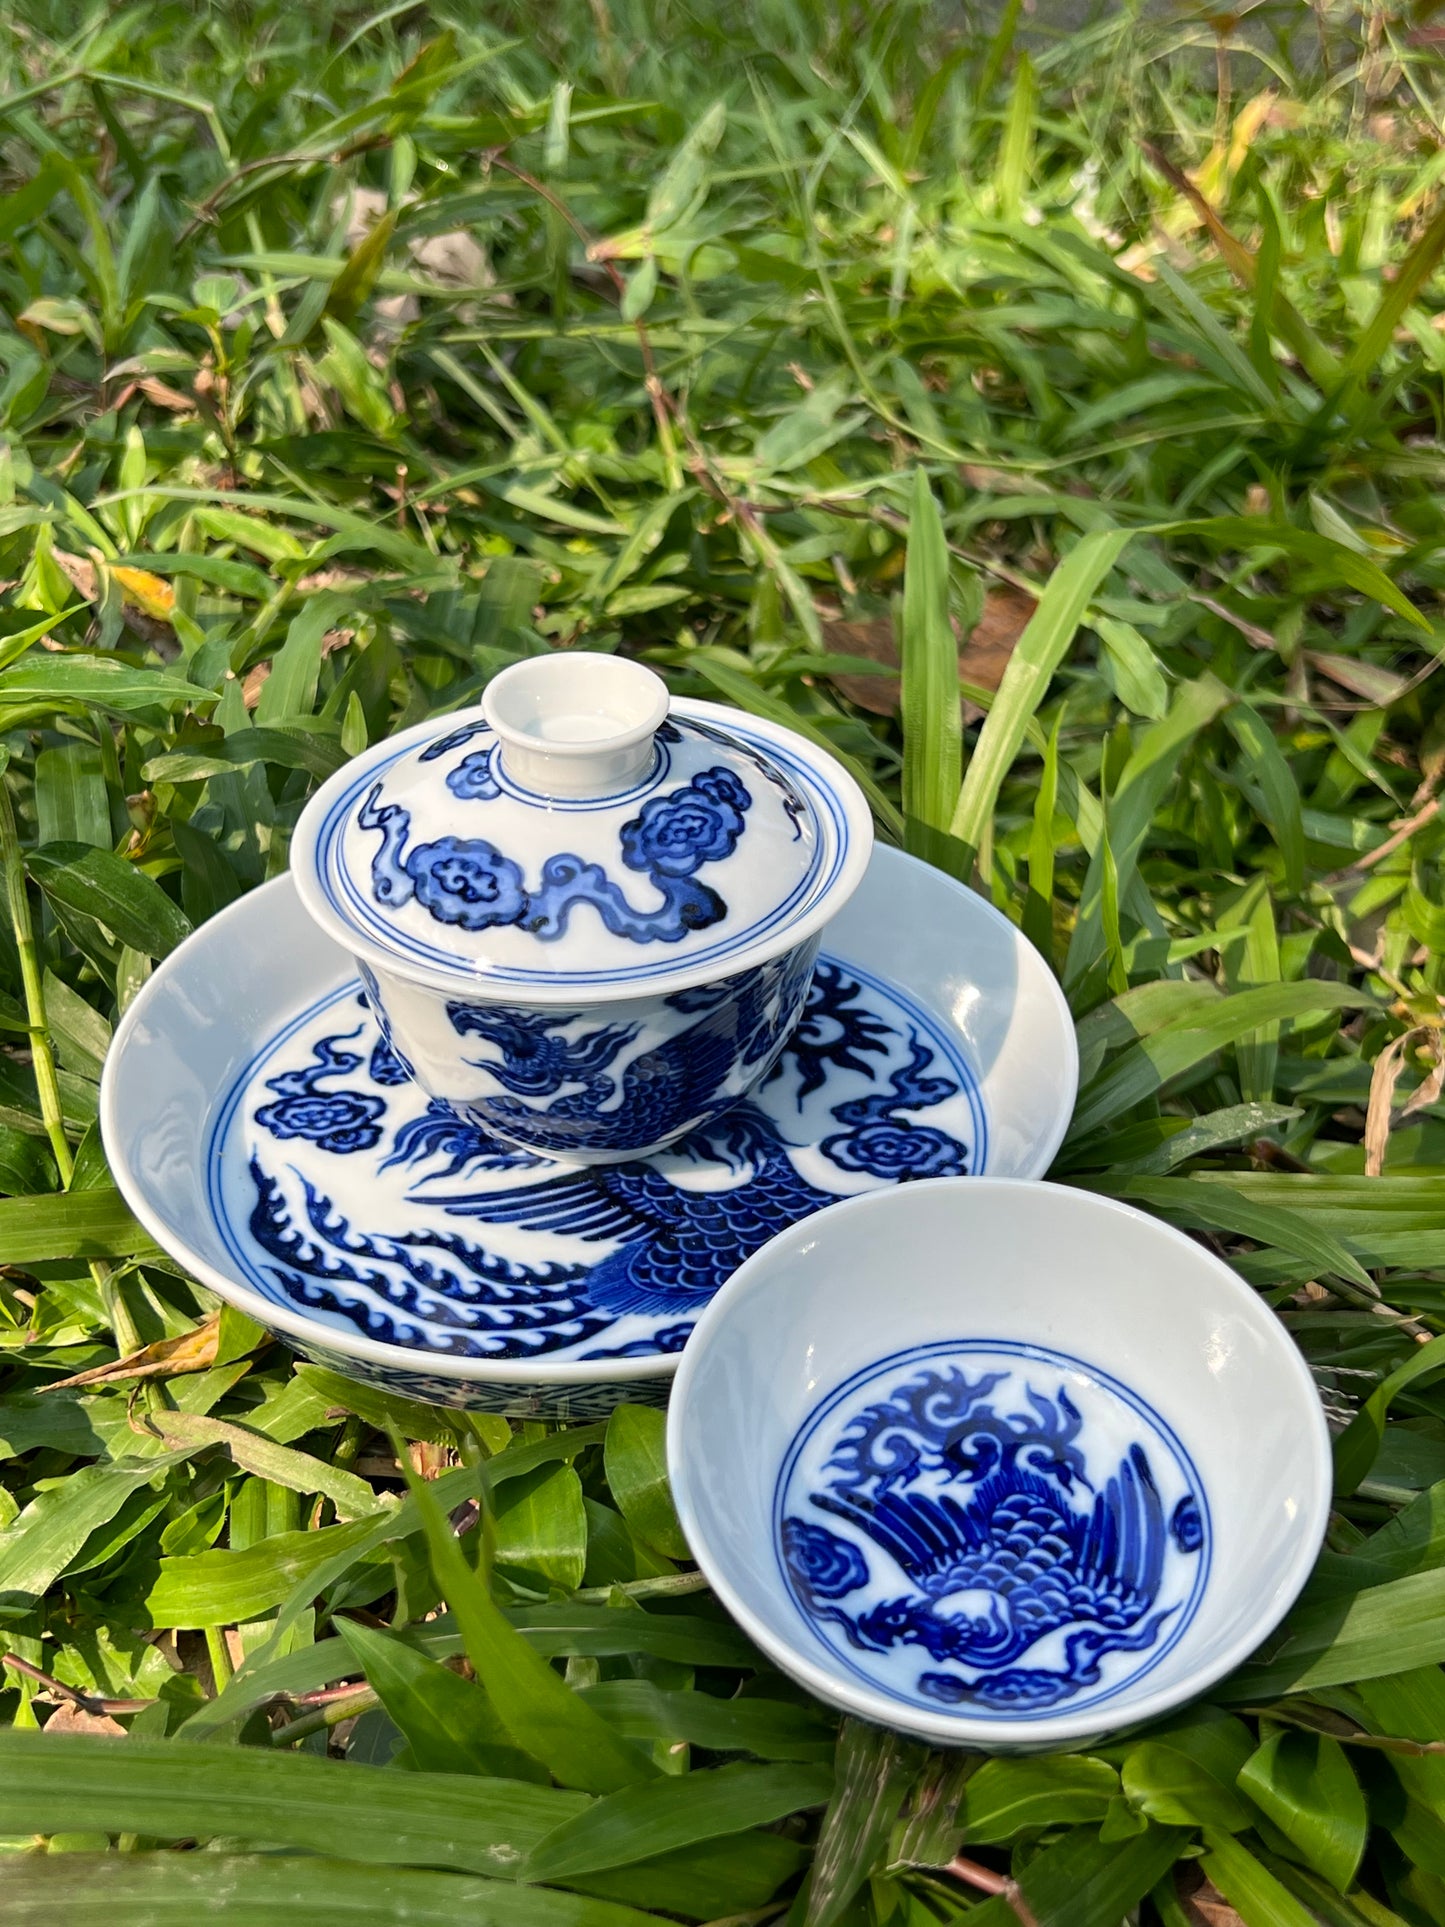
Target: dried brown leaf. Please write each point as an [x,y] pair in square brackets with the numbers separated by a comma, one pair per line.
[1379,1118]
[1367,679]
[982,659]
[166,397]
[71,1717]
[1206,1906]
[193,1351]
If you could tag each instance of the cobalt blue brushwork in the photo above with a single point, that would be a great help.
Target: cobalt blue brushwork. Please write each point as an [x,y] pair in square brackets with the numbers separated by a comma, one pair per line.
[994,1527]
[563,1085]
[342,1191]
[469,882]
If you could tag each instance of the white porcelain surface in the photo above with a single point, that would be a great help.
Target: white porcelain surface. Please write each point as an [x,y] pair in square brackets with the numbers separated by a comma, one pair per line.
[965,1061]
[426,855]
[544,892]
[998,1464]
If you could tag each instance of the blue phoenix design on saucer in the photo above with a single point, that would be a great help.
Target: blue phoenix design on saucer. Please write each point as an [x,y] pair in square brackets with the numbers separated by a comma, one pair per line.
[383,1214]
[993,1527]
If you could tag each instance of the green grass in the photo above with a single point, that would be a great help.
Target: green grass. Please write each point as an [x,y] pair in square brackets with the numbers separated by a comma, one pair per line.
[380,350]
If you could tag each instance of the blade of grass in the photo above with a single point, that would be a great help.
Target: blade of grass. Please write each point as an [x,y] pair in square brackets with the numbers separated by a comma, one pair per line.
[1038,653]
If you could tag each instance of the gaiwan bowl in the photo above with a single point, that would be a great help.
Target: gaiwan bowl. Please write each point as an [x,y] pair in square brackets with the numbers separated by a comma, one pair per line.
[586,917]
[1001,1465]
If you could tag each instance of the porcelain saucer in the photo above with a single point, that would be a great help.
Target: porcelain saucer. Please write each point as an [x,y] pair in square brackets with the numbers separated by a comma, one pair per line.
[263,1131]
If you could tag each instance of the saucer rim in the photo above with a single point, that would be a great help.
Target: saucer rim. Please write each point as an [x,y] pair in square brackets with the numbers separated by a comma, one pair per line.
[508,1372]
[1024,1732]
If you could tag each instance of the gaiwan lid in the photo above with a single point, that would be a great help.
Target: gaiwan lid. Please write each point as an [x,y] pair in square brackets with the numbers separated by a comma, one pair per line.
[579,835]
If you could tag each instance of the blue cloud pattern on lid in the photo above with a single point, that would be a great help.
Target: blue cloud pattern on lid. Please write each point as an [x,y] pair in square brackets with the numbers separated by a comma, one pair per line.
[441,856]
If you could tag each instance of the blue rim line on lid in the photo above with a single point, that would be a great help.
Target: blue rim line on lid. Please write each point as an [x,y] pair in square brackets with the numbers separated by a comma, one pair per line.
[355,910]
[654,777]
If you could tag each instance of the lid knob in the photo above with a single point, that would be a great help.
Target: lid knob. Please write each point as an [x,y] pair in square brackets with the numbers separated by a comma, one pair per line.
[575,723]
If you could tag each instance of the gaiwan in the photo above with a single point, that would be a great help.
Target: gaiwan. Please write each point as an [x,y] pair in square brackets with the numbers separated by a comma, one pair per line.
[586,916]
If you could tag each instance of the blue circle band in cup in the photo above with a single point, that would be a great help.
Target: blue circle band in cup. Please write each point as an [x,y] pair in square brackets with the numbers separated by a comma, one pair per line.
[990,1494]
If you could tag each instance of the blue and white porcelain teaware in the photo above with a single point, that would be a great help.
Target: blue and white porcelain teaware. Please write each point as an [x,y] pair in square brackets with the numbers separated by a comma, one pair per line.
[586,920]
[1000,1465]
[260,1126]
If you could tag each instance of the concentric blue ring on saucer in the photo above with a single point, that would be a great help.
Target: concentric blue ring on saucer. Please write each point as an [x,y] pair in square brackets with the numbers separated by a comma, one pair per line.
[249,1099]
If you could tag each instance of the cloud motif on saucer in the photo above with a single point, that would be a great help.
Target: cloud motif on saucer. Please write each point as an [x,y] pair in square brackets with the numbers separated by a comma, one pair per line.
[992,1527]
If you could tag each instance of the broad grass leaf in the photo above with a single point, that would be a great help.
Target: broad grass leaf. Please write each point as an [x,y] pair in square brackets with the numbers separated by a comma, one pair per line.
[1266,763]
[39,1544]
[1005,1797]
[1038,918]
[88,1224]
[448,1721]
[1209,1206]
[668,1814]
[1374,340]
[82,680]
[1255,960]
[1166,1785]
[1352,570]
[223,1588]
[72,804]
[346,367]
[290,689]
[872,1772]
[450,1489]
[710,1880]
[932,724]
[62,1423]
[683,181]
[382,1409]
[1084,1882]
[541,1526]
[1260,1899]
[1356,1447]
[767,1728]
[26,1165]
[1304,1783]
[174,1890]
[358,275]
[114,892]
[1132,667]
[581,1628]
[1365,1635]
[542,1714]
[635,1458]
[208,883]
[173,1789]
[1040,650]
[280,1465]
[1150,772]
[641,287]
[80,1034]
[615,1556]
[1196,1032]
[1016,143]
[1413,1540]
